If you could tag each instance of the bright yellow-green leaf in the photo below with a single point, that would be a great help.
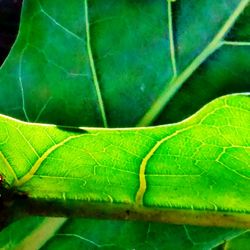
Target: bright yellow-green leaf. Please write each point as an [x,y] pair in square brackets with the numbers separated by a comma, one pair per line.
[195,171]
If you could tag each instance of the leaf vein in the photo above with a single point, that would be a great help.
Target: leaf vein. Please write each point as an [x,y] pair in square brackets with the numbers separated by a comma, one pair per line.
[175,84]
[93,68]
[58,24]
[171,38]
[7,164]
[236,43]
[142,169]
[40,160]
[21,85]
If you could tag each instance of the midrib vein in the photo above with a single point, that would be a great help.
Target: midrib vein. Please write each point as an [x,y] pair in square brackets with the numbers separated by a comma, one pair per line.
[177,82]
[142,178]
[35,167]
[171,38]
[8,166]
[40,235]
[93,69]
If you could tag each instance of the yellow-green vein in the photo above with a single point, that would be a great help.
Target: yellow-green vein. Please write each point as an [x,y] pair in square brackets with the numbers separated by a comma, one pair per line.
[8,166]
[35,167]
[173,86]
[142,178]
[93,69]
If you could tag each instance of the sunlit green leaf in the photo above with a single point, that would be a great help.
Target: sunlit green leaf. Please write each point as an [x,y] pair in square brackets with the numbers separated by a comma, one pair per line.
[195,171]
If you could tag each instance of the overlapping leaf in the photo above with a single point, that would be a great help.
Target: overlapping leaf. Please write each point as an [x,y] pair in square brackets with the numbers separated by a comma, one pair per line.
[85,234]
[95,64]
[49,69]
[200,164]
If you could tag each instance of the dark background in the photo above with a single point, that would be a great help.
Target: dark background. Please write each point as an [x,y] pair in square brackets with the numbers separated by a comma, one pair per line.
[9,22]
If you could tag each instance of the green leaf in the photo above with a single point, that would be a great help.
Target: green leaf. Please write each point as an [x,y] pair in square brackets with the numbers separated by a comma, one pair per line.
[239,243]
[42,74]
[29,233]
[77,66]
[195,171]
[92,234]
[225,71]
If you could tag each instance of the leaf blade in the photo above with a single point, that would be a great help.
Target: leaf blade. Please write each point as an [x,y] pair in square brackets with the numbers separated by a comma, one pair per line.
[149,177]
